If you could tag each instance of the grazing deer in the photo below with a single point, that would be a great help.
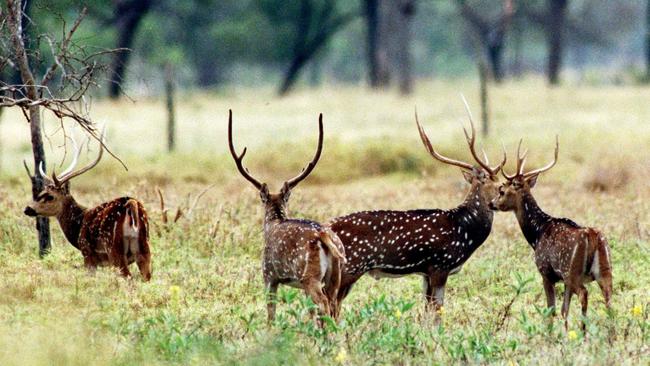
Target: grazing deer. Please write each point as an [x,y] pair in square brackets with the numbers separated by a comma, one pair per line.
[432,243]
[298,253]
[114,233]
[564,251]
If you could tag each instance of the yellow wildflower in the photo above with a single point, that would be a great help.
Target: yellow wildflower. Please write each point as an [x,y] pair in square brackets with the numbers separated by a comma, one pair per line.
[637,311]
[572,335]
[174,293]
[441,310]
[341,356]
[398,314]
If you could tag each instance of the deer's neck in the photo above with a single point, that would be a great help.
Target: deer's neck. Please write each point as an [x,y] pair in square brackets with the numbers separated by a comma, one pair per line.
[71,219]
[475,215]
[532,219]
[273,215]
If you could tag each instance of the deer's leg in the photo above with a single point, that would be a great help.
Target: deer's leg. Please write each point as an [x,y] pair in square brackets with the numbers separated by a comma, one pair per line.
[117,255]
[434,293]
[314,289]
[271,300]
[584,301]
[549,289]
[143,259]
[332,288]
[568,293]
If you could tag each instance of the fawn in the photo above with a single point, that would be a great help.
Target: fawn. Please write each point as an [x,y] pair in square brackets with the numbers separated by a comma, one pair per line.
[564,251]
[114,233]
[299,253]
[433,243]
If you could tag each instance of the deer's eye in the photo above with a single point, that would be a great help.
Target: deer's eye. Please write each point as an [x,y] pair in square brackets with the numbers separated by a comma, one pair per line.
[47,198]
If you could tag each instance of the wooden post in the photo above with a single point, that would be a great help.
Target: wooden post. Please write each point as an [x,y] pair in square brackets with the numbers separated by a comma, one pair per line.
[169,94]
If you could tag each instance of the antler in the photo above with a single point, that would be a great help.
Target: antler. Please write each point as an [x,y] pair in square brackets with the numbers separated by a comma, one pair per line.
[471,142]
[69,173]
[239,158]
[312,164]
[434,153]
[521,161]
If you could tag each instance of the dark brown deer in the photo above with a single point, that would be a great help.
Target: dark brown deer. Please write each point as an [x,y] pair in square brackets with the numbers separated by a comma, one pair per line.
[298,253]
[114,233]
[564,251]
[433,243]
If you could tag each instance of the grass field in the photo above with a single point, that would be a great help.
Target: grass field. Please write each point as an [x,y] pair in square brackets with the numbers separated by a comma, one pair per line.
[205,302]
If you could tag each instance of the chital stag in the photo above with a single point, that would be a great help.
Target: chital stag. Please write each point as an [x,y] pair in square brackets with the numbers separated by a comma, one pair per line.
[298,253]
[114,233]
[433,243]
[564,251]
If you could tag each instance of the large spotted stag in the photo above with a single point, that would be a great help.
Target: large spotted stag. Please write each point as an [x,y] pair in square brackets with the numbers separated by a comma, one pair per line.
[299,253]
[432,243]
[114,233]
[564,251]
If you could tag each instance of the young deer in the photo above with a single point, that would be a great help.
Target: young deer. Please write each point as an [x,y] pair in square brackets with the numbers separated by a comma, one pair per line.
[432,243]
[298,253]
[114,233]
[564,251]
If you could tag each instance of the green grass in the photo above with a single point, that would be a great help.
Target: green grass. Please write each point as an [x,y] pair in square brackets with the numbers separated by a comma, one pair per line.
[205,302]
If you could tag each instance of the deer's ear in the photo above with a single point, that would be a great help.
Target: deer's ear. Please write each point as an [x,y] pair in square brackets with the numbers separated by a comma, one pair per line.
[264,192]
[285,191]
[65,188]
[468,176]
[532,180]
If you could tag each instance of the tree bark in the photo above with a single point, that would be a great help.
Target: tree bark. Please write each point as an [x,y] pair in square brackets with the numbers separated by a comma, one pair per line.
[171,118]
[555,38]
[371,13]
[406,12]
[15,25]
[483,80]
[128,16]
[647,41]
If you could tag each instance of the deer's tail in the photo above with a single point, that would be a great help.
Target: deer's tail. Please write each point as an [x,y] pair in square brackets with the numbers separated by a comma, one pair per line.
[133,212]
[333,243]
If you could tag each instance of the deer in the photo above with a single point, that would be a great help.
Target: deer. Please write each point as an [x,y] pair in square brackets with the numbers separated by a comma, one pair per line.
[299,253]
[114,233]
[564,251]
[432,243]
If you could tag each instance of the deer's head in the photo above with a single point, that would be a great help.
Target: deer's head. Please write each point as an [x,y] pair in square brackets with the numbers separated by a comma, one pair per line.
[275,203]
[520,183]
[482,176]
[56,189]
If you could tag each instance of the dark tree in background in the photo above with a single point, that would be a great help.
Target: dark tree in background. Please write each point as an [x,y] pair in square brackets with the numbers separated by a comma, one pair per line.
[389,39]
[312,24]
[647,41]
[556,16]
[127,17]
[491,33]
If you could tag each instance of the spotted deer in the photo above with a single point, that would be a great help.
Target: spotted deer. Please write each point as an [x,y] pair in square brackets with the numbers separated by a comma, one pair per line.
[433,243]
[564,250]
[299,253]
[114,233]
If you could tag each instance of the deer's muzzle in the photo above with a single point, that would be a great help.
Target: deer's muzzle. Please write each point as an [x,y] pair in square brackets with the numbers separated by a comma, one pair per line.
[30,211]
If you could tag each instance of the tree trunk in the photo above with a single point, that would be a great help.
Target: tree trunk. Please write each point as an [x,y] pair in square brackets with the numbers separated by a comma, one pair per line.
[405,14]
[15,26]
[385,41]
[483,80]
[372,37]
[555,38]
[291,75]
[169,96]
[495,57]
[517,62]
[647,41]
[129,15]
